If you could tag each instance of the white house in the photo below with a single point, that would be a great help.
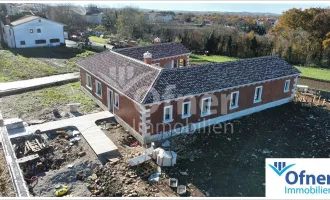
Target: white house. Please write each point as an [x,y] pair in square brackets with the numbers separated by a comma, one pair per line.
[94,18]
[32,31]
[160,17]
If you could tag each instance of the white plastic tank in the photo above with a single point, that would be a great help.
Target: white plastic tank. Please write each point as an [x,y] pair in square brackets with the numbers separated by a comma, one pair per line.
[156,152]
[166,158]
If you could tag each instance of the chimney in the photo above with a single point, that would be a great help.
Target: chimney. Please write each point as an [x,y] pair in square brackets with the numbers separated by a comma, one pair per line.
[8,20]
[157,40]
[147,57]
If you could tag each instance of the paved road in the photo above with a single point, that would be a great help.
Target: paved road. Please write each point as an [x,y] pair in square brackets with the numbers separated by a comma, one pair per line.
[18,86]
[70,43]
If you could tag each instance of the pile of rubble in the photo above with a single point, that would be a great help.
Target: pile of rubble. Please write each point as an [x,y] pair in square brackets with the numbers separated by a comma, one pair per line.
[118,179]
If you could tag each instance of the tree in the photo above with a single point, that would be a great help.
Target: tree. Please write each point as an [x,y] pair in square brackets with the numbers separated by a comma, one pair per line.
[188,17]
[131,23]
[109,19]
[211,43]
[99,28]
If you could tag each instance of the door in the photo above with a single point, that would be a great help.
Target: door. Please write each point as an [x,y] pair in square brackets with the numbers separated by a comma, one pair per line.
[110,100]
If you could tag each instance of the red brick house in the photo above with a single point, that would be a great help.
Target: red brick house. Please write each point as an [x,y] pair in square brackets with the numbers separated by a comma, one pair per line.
[154,93]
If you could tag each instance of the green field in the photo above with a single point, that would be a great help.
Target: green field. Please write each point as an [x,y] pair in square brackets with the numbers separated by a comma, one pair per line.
[202,59]
[98,40]
[322,74]
[21,64]
[308,72]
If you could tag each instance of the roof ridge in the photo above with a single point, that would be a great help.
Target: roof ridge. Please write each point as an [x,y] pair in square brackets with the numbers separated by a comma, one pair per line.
[146,46]
[221,63]
[138,61]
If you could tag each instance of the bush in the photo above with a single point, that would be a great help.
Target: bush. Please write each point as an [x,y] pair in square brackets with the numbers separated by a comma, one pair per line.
[95,49]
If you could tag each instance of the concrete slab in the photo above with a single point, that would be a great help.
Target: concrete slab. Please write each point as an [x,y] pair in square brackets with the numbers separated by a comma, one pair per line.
[19,86]
[95,137]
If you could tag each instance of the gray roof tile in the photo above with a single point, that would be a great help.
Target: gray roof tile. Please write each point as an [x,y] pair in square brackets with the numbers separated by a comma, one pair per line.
[158,51]
[173,83]
[131,77]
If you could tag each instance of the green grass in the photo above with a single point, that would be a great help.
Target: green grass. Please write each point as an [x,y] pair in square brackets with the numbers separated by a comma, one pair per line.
[202,59]
[317,73]
[68,93]
[98,40]
[308,72]
[39,103]
[22,64]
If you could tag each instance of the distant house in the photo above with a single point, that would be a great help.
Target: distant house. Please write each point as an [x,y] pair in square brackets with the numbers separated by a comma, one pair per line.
[159,17]
[260,22]
[155,100]
[32,31]
[95,18]
[271,21]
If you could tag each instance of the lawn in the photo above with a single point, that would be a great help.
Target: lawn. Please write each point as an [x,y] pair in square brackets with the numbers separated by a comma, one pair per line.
[202,59]
[39,104]
[308,72]
[21,64]
[98,40]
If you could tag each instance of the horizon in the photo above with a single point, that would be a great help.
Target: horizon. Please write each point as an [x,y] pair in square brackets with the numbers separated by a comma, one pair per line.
[252,7]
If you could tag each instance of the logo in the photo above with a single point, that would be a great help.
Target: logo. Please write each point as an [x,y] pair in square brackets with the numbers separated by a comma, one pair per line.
[280,167]
[302,178]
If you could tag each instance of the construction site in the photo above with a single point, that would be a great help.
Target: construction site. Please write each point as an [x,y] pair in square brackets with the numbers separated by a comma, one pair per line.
[65,158]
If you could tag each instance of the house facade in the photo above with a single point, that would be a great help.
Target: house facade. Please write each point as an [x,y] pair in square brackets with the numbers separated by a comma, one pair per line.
[32,31]
[154,102]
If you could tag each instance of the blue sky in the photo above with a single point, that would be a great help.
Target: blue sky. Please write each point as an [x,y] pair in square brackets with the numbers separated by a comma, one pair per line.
[273,7]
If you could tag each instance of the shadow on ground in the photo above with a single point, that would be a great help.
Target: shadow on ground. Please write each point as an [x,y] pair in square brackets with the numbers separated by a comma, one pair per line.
[233,164]
[47,52]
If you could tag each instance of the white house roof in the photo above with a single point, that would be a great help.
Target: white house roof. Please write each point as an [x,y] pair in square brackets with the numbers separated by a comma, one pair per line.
[29,18]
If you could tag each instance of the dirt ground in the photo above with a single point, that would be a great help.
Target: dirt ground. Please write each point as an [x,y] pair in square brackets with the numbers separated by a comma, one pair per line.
[39,104]
[234,164]
[6,186]
[129,181]
[314,84]
[55,164]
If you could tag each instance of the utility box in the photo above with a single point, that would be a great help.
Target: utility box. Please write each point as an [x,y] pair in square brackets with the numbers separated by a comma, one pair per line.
[13,123]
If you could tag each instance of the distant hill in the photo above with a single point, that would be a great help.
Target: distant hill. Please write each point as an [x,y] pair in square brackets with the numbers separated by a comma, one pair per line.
[210,12]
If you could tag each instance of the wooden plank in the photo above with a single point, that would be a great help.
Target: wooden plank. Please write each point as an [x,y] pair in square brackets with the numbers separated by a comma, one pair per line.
[28,158]
[39,143]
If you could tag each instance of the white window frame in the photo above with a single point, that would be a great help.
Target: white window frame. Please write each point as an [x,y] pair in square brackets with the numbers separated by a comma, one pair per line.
[89,87]
[116,101]
[209,106]
[287,83]
[255,93]
[171,114]
[96,88]
[189,109]
[231,97]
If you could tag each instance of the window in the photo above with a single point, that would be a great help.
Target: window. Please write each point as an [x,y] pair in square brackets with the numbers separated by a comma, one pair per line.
[40,41]
[257,94]
[38,30]
[23,42]
[98,89]
[88,81]
[54,40]
[186,109]
[287,86]
[168,113]
[31,30]
[116,100]
[206,106]
[234,100]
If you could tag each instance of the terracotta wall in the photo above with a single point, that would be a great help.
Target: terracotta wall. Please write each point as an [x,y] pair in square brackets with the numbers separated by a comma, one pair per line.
[128,110]
[271,91]
[164,61]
